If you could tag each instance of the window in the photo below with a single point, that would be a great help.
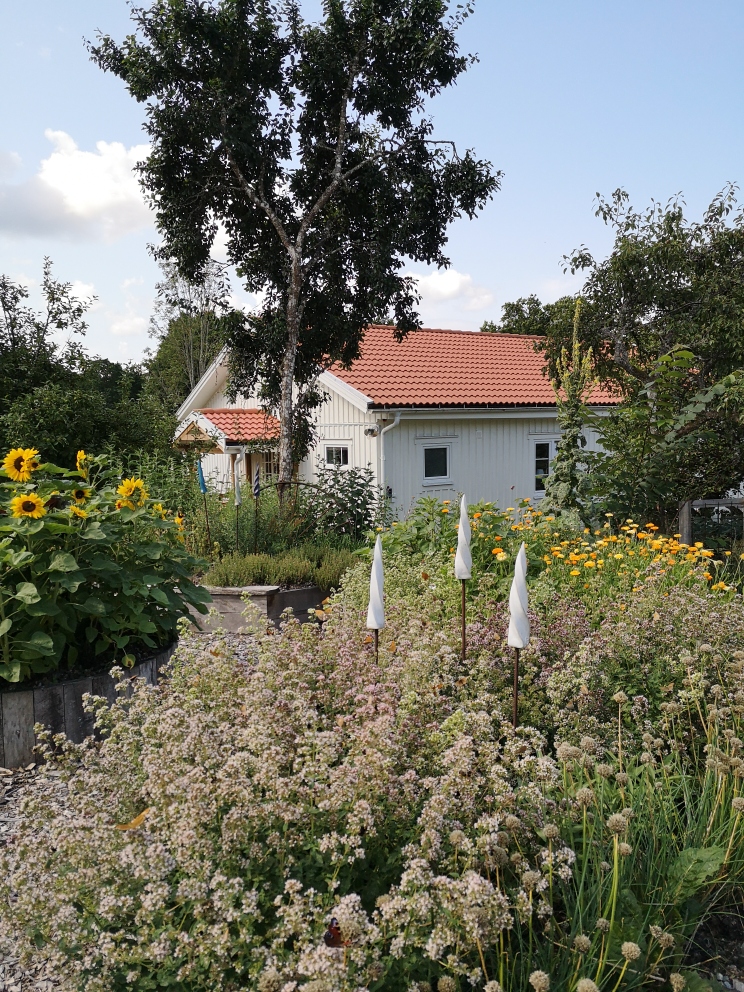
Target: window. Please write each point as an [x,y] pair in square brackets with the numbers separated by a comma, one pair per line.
[544,454]
[269,465]
[436,463]
[336,455]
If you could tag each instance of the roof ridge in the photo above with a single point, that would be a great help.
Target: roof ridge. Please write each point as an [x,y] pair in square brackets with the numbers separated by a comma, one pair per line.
[451,330]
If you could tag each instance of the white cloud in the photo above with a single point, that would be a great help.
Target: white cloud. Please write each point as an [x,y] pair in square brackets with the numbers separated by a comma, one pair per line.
[84,291]
[450,286]
[128,326]
[10,162]
[79,194]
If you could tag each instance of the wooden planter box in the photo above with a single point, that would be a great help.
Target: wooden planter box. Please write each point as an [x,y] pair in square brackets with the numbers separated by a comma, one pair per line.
[271,601]
[60,708]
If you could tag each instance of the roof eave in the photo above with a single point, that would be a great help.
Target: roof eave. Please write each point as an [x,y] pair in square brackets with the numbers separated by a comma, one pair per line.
[354,396]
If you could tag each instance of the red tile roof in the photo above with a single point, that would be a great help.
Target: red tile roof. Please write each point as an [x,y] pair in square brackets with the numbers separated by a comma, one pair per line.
[452,368]
[240,426]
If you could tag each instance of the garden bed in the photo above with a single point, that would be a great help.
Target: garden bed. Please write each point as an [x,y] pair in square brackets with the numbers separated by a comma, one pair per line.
[230,602]
[59,707]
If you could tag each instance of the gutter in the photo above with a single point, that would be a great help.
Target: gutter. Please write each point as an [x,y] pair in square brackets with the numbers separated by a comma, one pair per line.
[383,432]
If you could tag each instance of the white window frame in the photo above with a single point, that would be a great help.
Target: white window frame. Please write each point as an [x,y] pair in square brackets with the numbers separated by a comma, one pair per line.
[438,480]
[340,445]
[551,440]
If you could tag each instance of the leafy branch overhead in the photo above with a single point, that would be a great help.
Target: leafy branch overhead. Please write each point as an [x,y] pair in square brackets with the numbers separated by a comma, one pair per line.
[311,146]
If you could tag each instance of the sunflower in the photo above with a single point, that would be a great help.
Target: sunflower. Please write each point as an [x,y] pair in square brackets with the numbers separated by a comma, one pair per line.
[159,508]
[133,489]
[180,520]
[121,503]
[27,506]
[80,494]
[81,463]
[75,511]
[20,463]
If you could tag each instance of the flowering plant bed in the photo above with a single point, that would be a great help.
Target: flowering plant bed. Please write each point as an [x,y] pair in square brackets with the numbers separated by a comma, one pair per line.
[91,568]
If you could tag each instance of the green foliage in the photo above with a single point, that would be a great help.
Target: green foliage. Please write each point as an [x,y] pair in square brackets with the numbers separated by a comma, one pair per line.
[313,145]
[191,323]
[58,398]
[29,356]
[101,405]
[528,315]
[308,564]
[88,572]
[572,386]
[668,442]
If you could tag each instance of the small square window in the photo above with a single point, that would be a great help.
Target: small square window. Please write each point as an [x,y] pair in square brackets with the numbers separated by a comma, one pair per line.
[436,463]
[542,464]
[336,455]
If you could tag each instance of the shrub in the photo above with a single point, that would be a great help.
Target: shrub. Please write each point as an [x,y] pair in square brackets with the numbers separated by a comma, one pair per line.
[254,807]
[308,564]
[88,571]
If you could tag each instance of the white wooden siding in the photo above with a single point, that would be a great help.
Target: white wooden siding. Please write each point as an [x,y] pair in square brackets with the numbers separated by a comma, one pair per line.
[492,452]
[493,457]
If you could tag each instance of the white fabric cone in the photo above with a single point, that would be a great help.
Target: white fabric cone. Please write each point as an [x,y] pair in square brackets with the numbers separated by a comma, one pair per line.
[238,494]
[519,624]
[376,608]
[463,558]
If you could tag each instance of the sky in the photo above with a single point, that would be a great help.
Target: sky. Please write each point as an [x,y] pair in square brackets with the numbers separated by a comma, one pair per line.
[568,99]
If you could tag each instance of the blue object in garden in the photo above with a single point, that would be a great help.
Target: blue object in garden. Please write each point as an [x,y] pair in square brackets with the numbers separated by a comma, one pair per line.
[256,484]
[200,476]
[203,487]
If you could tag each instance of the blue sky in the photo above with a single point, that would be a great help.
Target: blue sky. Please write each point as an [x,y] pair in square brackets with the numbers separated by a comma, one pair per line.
[569,98]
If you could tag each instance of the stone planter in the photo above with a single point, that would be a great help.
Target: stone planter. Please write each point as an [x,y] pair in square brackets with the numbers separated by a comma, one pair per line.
[60,708]
[271,601]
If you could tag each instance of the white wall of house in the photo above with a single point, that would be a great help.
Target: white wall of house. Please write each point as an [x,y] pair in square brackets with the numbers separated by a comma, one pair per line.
[490,454]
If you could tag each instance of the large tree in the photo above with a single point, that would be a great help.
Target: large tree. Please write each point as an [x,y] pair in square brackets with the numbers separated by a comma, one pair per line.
[191,322]
[311,144]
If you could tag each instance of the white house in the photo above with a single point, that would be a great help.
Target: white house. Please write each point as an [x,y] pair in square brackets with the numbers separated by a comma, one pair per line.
[439,413]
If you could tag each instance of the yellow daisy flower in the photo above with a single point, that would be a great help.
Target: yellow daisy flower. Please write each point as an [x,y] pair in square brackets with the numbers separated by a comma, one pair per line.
[19,463]
[121,503]
[75,511]
[80,494]
[29,505]
[82,463]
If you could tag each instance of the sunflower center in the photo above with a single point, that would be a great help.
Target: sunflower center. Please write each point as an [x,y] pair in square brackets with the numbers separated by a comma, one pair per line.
[18,463]
[28,506]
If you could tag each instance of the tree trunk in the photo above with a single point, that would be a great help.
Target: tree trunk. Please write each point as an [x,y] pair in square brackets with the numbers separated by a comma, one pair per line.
[286,401]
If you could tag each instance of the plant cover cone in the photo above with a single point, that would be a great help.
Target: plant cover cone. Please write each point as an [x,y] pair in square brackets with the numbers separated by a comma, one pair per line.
[519,624]
[463,558]
[238,495]
[376,608]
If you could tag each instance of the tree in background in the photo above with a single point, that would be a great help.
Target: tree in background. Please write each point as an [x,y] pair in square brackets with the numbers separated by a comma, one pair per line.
[56,398]
[572,386]
[528,315]
[191,322]
[29,354]
[663,316]
[311,145]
